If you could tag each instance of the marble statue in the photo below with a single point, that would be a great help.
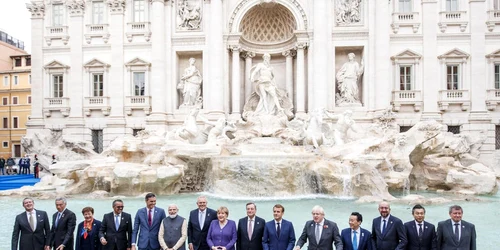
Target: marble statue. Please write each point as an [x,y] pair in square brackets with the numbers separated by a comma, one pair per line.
[190,84]
[190,16]
[347,78]
[267,98]
[348,12]
[344,124]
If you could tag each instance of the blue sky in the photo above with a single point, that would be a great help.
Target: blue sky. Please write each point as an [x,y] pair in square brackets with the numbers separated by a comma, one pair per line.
[15,19]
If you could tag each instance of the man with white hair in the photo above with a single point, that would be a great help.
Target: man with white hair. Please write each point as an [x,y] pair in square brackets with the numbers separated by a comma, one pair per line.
[63,226]
[320,232]
[173,230]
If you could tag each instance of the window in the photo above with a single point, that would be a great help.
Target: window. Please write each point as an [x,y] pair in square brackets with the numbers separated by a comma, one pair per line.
[497,75]
[451,5]
[5,101]
[405,77]
[139,83]
[452,77]
[97,140]
[454,129]
[136,131]
[139,10]
[15,122]
[405,5]
[98,12]
[14,100]
[57,85]
[57,14]
[28,61]
[5,122]
[497,137]
[5,144]
[403,129]
[16,80]
[5,81]
[17,62]
[29,79]
[29,99]
[97,84]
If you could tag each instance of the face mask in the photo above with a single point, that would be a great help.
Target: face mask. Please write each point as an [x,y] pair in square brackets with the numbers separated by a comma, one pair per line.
[172,216]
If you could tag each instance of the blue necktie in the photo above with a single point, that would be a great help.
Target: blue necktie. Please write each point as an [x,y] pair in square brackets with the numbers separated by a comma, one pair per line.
[354,240]
[383,227]
[117,222]
[57,219]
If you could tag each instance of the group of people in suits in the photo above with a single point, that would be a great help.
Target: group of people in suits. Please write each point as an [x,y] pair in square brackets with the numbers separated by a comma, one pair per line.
[208,229]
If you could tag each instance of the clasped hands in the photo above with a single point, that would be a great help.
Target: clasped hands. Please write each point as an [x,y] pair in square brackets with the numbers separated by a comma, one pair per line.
[218,248]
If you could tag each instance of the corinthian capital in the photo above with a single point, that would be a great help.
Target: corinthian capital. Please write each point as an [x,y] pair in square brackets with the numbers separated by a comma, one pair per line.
[248,54]
[301,45]
[116,6]
[37,9]
[235,48]
[76,7]
[288,53]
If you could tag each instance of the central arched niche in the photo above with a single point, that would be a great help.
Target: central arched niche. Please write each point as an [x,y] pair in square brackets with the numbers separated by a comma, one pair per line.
[268,27]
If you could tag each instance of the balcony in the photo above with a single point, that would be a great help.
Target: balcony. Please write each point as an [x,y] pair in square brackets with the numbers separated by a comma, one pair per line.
[97,31]
[138,103]
[493,19]
[56,104]
[452,18]
[138,29]
[405,19]
[492,99]
[407,97]
[454,97]
[56,33]
[96,103]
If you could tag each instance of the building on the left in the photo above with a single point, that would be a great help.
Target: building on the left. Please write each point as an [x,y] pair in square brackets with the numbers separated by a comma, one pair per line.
[15,94]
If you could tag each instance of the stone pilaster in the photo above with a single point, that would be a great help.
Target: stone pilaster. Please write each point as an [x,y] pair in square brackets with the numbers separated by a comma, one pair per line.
[248,55]
[301,78]
[235,82]
[289,54]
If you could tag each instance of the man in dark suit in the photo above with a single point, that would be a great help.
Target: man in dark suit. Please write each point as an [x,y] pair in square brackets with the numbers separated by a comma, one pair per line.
[455,233]
[356,237]
[250,230]
[63,227]
[278,233]
[199,222]
[388,231]
[147,225]
[421,234]
[33,227]
[320,233]
[116,229]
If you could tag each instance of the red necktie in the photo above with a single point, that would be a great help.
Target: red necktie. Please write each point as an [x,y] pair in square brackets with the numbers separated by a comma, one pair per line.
[149,217]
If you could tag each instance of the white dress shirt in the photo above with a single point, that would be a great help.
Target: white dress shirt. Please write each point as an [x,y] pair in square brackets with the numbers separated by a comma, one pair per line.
[34,216]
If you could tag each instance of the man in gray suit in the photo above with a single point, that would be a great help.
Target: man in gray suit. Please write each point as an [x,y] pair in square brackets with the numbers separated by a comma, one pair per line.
[455,233]
[32,226]
[320,232]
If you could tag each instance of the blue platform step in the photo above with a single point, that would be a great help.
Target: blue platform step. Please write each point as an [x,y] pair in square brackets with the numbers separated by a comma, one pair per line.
[16,181]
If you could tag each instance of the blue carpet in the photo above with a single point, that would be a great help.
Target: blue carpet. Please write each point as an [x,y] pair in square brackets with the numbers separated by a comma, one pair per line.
[16,181]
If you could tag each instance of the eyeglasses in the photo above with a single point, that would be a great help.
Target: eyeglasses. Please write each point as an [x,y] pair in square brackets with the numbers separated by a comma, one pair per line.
[119,207]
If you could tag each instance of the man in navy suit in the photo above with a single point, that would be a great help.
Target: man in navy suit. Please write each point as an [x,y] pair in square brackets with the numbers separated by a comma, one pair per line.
[199,222]
[116,229]
[250,230]
[147,225]
[355,237]
[278,233]
[31,228]
[421,234]
[320,232]
[455,233]
[388,232]
[63,227]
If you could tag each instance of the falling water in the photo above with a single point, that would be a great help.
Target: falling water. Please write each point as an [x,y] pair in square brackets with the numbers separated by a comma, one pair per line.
[406,186]
[347,181]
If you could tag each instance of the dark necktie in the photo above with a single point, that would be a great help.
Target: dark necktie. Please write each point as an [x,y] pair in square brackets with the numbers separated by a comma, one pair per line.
[383,227]
[457,235]
[420,230]
[278,230]
[150,221]
[57,219]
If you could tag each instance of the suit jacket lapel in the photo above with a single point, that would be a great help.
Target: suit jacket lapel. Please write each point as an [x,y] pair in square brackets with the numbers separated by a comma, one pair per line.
[245,228]
[389,225]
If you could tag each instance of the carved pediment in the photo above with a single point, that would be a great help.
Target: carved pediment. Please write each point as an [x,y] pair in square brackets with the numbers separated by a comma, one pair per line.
[95,63]
[137,62]
[454,53]
[494,54]
[407,54]
[55,65]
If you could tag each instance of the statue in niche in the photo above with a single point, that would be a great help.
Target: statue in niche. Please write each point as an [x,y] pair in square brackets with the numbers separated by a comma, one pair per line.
[190,15]
[190,85]
[267,98]
[348,11]
[347,78]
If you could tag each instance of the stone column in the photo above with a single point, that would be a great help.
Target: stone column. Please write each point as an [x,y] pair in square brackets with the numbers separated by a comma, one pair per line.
[36,120]
[214,101]
[321,55]
[170,81]
[289,54]
[477,57]
[75,89]
[158,83]
[301,80]
[248,66]
[431,67]
[235,82]
[382,64]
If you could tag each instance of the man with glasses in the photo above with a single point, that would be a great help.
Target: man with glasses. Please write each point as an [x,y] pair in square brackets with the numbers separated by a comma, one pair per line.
[116,229]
